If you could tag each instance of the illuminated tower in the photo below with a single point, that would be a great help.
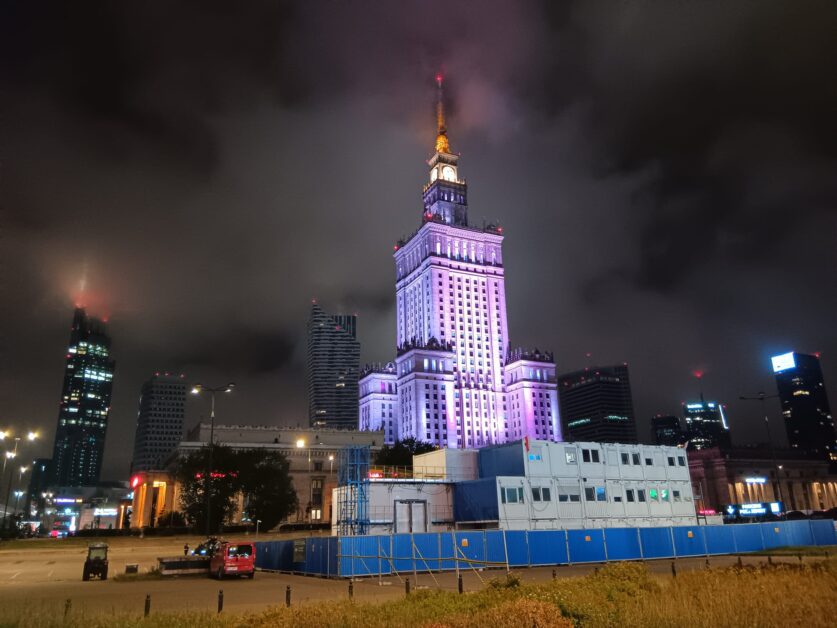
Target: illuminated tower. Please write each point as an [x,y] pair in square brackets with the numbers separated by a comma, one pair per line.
[333,361]
[452,335]
[85,404]
[805,407]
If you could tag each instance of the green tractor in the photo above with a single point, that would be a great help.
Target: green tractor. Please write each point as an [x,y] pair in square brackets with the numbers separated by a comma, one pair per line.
[96,563]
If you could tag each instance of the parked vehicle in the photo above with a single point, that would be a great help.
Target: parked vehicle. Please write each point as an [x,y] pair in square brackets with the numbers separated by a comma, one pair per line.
[96,563]
[233,559]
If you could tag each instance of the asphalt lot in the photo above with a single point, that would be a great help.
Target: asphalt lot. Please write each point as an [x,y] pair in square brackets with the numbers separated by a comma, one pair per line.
[45,576]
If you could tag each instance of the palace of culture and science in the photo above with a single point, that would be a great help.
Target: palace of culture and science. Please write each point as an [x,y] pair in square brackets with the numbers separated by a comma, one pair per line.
[456,381]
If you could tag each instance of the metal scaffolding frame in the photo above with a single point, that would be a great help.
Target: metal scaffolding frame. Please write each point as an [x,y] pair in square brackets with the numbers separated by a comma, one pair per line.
[353,474]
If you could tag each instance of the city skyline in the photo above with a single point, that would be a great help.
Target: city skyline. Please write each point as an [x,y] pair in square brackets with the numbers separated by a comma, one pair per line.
[605,198]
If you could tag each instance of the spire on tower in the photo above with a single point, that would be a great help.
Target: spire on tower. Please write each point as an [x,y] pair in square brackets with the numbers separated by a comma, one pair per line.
[442,145]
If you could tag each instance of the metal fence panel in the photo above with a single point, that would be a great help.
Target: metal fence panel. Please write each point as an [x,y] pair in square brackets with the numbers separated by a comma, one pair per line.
[720,539]
[470,548]
[402,552]
[748,537]
[823,532]
[586,546]
[427,551]
[547,547]
[656,542]
[774,534]
[689,541]
[622,544]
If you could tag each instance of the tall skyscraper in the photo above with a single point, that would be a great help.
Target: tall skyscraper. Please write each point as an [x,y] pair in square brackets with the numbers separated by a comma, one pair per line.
[706,424]
[85,404]
[597,405]
[162,407]
[333,367]
[805,407]
[453,364]
[667,430]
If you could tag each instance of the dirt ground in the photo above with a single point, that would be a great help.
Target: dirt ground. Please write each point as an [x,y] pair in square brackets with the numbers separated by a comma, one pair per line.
[48,573]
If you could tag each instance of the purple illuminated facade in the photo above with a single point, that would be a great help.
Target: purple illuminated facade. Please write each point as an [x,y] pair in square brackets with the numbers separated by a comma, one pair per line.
[457,383]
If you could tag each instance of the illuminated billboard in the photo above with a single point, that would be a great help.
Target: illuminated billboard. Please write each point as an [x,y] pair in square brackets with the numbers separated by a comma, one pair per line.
[753,510]
[783,362]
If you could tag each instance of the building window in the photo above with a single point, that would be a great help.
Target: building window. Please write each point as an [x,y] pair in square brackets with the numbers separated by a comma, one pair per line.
[681,460]
[629,494]
[569,452]
[585,455]
[649,462]
[676,495]
[595,455]
[671,461]
[625,458]
[640,494]
[512,495]
[601,495]
[589,493]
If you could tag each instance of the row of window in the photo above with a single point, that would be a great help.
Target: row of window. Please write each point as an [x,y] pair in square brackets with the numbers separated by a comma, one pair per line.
[514,495]
[593,455]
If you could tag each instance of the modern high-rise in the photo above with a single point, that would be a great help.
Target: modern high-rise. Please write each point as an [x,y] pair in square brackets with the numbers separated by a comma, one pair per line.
[805,407]
[455,373]
[162,407]
[706,424]
[597,405]
[85,404]
[333,367]
[667,430]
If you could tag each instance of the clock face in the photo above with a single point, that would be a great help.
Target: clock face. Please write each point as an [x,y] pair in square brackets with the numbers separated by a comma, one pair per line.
[434,174]
[448,174]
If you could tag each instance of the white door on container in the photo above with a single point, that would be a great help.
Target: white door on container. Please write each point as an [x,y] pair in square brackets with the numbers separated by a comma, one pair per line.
[410,516]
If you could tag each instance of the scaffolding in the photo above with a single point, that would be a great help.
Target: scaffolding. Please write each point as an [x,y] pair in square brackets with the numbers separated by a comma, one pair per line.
[353,478]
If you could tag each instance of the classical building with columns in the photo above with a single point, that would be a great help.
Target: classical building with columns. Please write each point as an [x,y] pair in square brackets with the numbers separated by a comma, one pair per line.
[749,474]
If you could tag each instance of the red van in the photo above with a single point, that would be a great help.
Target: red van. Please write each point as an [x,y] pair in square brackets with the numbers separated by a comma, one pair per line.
[233,559]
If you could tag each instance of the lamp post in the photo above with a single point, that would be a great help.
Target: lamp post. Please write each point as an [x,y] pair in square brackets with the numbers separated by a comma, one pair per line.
[331,464]
[762,397]
[196,390]
[10,455]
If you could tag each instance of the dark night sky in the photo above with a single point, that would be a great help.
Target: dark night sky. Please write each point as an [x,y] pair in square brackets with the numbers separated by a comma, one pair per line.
[665,173]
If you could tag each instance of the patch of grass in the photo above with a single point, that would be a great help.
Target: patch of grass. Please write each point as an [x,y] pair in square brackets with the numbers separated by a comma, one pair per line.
[618,595]
[800,550]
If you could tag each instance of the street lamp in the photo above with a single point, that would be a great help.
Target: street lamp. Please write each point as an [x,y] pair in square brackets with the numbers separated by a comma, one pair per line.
[11,455]
[762,397]
[331,464]
[18,495]
[196,390]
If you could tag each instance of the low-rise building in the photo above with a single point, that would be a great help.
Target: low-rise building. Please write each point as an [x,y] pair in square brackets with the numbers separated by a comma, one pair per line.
[311,454]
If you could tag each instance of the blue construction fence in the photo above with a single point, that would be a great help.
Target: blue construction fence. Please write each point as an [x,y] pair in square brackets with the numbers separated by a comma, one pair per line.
[351,556]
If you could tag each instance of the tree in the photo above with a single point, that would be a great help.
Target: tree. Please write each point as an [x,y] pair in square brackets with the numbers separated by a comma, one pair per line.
[401,452]
[267,486]
[224,485]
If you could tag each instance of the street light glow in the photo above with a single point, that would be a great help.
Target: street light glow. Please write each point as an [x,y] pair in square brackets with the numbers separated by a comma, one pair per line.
[300,443]
[196,389]
[3,434]
[230,387]
[32,435]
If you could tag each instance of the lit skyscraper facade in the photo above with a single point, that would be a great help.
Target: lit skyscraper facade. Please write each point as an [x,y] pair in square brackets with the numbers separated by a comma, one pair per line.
[706,424]
[333,366]
[85,404]
[453,364]
[597,405]
[162,407]
[805,407]
[667,430]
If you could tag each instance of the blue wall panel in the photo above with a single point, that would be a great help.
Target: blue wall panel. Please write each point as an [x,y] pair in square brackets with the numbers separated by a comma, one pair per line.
[517,543]
[402,552]
[475,500]
[622,544]
[502,460]
[720,539]
[689,541]
[495,551]
[470,546]
[656,542]
[748,537]
[427,551]
[359,555]
[547,547]
[385,554]
[447,552]
[774,534]
[823,532]
[586,546]
[799,533]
